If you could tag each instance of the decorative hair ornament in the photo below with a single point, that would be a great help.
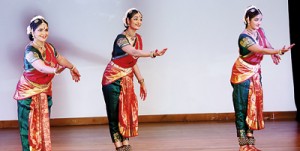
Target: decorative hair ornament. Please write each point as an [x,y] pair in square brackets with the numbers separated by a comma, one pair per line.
[246,10]
[37,17]
[34,19]
[28,30]
[125,16]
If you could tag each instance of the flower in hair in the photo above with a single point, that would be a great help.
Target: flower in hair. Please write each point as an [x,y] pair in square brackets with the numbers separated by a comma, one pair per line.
[37,17]
[28,30]
[246,10]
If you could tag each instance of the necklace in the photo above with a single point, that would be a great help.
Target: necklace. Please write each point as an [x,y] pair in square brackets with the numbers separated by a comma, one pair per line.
[42,50]
[132,37]
[252,32]
[49,59]
[39,46]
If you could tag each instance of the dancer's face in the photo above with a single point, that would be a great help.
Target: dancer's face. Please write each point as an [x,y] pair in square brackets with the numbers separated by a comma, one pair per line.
[136,21]
[255,22]
[41,33]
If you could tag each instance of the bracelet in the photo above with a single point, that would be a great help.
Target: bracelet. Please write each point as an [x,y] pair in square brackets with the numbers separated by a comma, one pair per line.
[152,54]
[141,81]
[280,52]
[72,68]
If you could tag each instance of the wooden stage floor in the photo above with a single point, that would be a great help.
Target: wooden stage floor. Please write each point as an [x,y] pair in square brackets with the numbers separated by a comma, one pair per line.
[177,136]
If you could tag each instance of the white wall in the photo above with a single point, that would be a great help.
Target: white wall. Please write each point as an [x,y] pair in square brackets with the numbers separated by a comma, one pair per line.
[193,76]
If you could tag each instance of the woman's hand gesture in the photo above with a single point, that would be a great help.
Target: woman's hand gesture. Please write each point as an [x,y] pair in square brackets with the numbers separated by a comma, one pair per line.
[143,90]
[160,52]
[75,74]
[285,49]
[276,58]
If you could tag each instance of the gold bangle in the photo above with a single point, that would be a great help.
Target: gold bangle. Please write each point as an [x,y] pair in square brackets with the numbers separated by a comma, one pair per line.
[152,54]
[280,52]
[141,81]
[72,68]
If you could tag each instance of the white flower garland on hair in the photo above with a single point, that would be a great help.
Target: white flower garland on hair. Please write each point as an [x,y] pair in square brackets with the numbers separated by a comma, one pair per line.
[246,10]
[29,30]
[125,16]
[37,17]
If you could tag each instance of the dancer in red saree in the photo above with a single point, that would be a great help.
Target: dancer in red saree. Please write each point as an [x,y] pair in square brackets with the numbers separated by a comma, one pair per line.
[117,83]
[246,78]
[34,89]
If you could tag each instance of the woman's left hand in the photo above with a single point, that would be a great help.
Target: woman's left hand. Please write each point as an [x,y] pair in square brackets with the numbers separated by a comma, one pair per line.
[75,74]
[276,59]
[143,91]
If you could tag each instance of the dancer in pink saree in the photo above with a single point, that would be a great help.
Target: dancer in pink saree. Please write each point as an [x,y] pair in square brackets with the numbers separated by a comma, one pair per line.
[246,78]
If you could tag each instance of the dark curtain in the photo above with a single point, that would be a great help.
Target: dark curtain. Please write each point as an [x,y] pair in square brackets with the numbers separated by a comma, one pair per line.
[294,36]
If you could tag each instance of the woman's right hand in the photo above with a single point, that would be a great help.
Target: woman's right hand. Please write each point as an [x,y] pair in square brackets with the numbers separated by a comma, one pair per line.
[160,52]
[285,49]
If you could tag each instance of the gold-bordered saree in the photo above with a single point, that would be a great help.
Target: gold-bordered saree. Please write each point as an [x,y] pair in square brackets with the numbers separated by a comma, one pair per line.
[37,86]
[242,71]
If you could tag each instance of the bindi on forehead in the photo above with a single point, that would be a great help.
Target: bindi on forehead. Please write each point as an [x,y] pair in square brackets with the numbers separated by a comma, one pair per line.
[138,15]
[43,26]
